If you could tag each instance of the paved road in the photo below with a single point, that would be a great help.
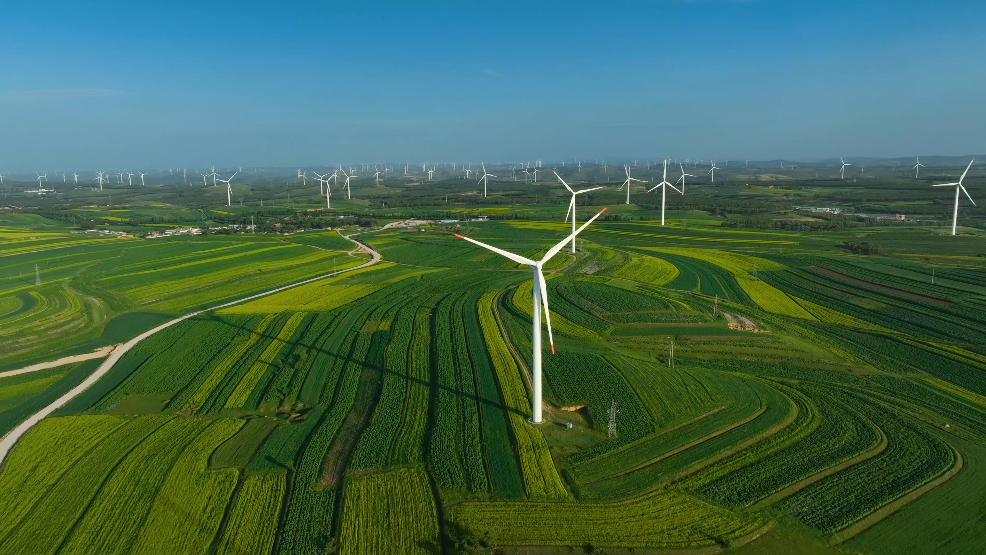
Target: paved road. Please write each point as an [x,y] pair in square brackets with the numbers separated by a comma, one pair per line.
[8,441]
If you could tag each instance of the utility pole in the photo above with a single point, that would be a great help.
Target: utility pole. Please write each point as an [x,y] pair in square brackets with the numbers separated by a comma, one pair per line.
[37,276]
[611,429]
[671,355]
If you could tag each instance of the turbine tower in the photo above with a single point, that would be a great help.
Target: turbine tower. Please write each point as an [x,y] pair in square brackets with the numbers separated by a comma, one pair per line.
[540,298]
[664,189]
[955,213]
[626,183]
[348,177]
[571,205]
[842,171]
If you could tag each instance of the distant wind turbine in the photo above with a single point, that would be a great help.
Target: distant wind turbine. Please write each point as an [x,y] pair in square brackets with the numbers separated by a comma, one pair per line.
[627,183]
[682,178]
[713,171]
[917,168]
[664,189]
[484,179]
[229,189]
[571,205]
[955,213]
[142,174]
[842,174]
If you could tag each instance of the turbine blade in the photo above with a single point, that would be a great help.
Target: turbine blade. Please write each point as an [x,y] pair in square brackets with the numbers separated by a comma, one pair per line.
[554,250]
[547,313]
[967,194]
[515,257]
[571,204]
[587,190]
[966,171]
[945,185]
[562,181]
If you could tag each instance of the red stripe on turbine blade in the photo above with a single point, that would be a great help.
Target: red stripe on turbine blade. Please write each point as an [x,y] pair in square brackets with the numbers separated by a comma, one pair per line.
[552,348]
[459,236]
[603,210]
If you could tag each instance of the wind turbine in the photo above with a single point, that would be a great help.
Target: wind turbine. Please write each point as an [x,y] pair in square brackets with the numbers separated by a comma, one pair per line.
[682,178]
[484,178]
[40,177]
[204,176]
[348,177]
[229,189]
[917,168]
[321,182]
[626,183]
[304,178]
[142,174]
[664,189]
[377,177]
[130,179]
[955,213]
[842,171]
[540,298]
[74,175]
[713,171]
[571,205]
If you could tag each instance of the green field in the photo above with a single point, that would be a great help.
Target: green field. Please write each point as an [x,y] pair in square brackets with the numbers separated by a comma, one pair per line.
[818,400]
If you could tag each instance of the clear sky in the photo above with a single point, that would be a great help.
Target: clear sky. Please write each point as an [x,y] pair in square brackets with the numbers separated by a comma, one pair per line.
[135,85]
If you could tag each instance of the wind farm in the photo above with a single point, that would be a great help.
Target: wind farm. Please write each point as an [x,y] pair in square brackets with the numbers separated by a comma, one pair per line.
[275,306]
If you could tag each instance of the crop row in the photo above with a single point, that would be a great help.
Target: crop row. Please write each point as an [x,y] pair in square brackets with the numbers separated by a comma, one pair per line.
[373,448]
[114,518]
[55,511]
[660,519]
[805,419]
[541,479]
[647,269]
[450,432]
[912,458]
[390,512]
[501,459]
[311,502]
[252,523]
[201,493]
[263,364]
[744,403]
[774,415]
[522,300]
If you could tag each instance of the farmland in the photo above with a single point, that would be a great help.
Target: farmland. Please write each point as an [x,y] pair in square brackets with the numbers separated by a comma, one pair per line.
[386,409]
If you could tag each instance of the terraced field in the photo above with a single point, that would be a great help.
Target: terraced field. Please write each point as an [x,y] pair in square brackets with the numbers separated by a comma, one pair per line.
[386,409]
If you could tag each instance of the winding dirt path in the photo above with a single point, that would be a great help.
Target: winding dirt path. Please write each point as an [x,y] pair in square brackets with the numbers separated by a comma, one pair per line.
[9,440]
[98,353]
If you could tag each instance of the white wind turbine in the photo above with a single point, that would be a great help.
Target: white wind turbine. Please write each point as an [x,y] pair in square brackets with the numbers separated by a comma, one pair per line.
[204,177]
[74,175]
[130,179]
[484,179]
[682,178]
[664,189]
[348,177]
[627,183]
[142,174]
[377,177]
[40,177]
[955,213]
[712,171]
[571,205]
[842,174]
[229,189]
[100,176]
[917,168]
[321,182]
[540,298]
[304,178]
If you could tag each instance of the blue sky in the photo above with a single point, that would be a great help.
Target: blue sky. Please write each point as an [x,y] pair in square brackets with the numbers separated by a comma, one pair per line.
[127,85]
